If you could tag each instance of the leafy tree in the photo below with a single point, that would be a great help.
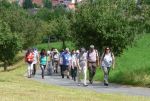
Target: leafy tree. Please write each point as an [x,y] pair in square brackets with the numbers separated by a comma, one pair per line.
[27,4]
[107,23]
[10,44]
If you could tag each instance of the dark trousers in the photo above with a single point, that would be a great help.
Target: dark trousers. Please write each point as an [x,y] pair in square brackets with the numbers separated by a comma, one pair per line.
[43,69]
[34,69]
[92,70]
[61,70]
[74,72]
[65,68]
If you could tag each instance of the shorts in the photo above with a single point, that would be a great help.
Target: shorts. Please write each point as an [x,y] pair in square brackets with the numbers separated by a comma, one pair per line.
[65,67]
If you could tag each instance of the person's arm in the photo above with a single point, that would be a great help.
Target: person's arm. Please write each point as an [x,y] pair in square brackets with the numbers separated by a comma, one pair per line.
[113,61]
[97,58]
[101,59]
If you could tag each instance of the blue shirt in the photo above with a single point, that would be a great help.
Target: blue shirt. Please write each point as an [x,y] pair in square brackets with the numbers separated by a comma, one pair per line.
[66,58]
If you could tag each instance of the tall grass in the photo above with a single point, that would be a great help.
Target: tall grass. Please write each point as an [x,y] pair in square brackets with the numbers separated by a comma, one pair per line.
[133,67]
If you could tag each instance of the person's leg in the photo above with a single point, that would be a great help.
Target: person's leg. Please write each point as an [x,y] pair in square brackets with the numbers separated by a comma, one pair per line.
[93,70]
[105,70]
[63,70]
[78,75]
[56,63]
[72,70]
[68,70]
[84,75]
[90,72]
[29,70]
[75,73]
[42,69]
[34,69]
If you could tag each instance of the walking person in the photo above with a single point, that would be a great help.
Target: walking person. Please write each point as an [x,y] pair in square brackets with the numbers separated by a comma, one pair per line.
[93,62]
[29,58]
[73,65]
[43,61]
[49,61]
[35,62]
[66,58]
[56,60]
[82,66]
[61,62]
[107,61]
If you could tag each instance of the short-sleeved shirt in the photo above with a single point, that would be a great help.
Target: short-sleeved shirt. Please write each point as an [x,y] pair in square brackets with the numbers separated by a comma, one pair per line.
[43,60]
[83,59]
[92,56]
[107,60]
[66,57]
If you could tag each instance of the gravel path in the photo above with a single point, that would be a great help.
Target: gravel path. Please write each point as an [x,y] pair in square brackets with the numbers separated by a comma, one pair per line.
[96,86]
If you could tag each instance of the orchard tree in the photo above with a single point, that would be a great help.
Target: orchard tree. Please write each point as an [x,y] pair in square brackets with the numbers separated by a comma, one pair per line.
[10,44]
[107,23]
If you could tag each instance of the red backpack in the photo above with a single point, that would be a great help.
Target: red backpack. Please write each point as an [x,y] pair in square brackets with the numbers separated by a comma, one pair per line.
[30,57]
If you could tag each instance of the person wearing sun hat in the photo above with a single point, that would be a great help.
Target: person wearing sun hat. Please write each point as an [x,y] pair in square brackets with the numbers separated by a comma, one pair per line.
[107,61]
[93,62]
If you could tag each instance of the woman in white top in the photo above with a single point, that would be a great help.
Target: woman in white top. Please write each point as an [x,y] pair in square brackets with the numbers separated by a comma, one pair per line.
[82,66]
[107,61]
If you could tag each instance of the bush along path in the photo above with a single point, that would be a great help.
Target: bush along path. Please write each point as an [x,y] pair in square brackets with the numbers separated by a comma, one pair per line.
[96,86]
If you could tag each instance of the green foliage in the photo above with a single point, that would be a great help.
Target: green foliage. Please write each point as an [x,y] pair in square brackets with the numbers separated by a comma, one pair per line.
[57,45]
[47,4]
[10,44]
[44,14]
[133,67]
[107,23]
[27,4]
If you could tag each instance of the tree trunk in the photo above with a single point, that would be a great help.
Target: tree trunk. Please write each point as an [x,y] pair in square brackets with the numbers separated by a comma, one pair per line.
[49,42]
[5,66]
[63,45]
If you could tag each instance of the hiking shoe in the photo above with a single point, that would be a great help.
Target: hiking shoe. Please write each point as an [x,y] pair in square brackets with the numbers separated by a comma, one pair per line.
[68,77]
[91,81]
[78,84]
[85,85]
[105,84]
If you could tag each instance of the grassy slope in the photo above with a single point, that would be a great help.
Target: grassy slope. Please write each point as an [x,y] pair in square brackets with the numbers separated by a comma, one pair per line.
[15,87]
[133,67]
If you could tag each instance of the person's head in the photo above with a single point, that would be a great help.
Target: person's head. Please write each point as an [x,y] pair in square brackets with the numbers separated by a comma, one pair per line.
[52,49]
[43,52]
[29,50]
[55,51]
[107,50]
[91,47]
[77,52]
[35,49]
[73,51]
[82,50]
[67,50]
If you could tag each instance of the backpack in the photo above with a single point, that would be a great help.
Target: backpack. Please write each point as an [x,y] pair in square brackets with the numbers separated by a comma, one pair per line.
[30,58]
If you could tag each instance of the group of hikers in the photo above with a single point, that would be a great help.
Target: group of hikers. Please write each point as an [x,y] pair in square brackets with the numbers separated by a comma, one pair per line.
[73,63]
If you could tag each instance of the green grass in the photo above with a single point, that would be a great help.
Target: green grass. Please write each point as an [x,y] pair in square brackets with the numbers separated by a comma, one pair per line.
[15,87]
[57,45]
[133,67]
